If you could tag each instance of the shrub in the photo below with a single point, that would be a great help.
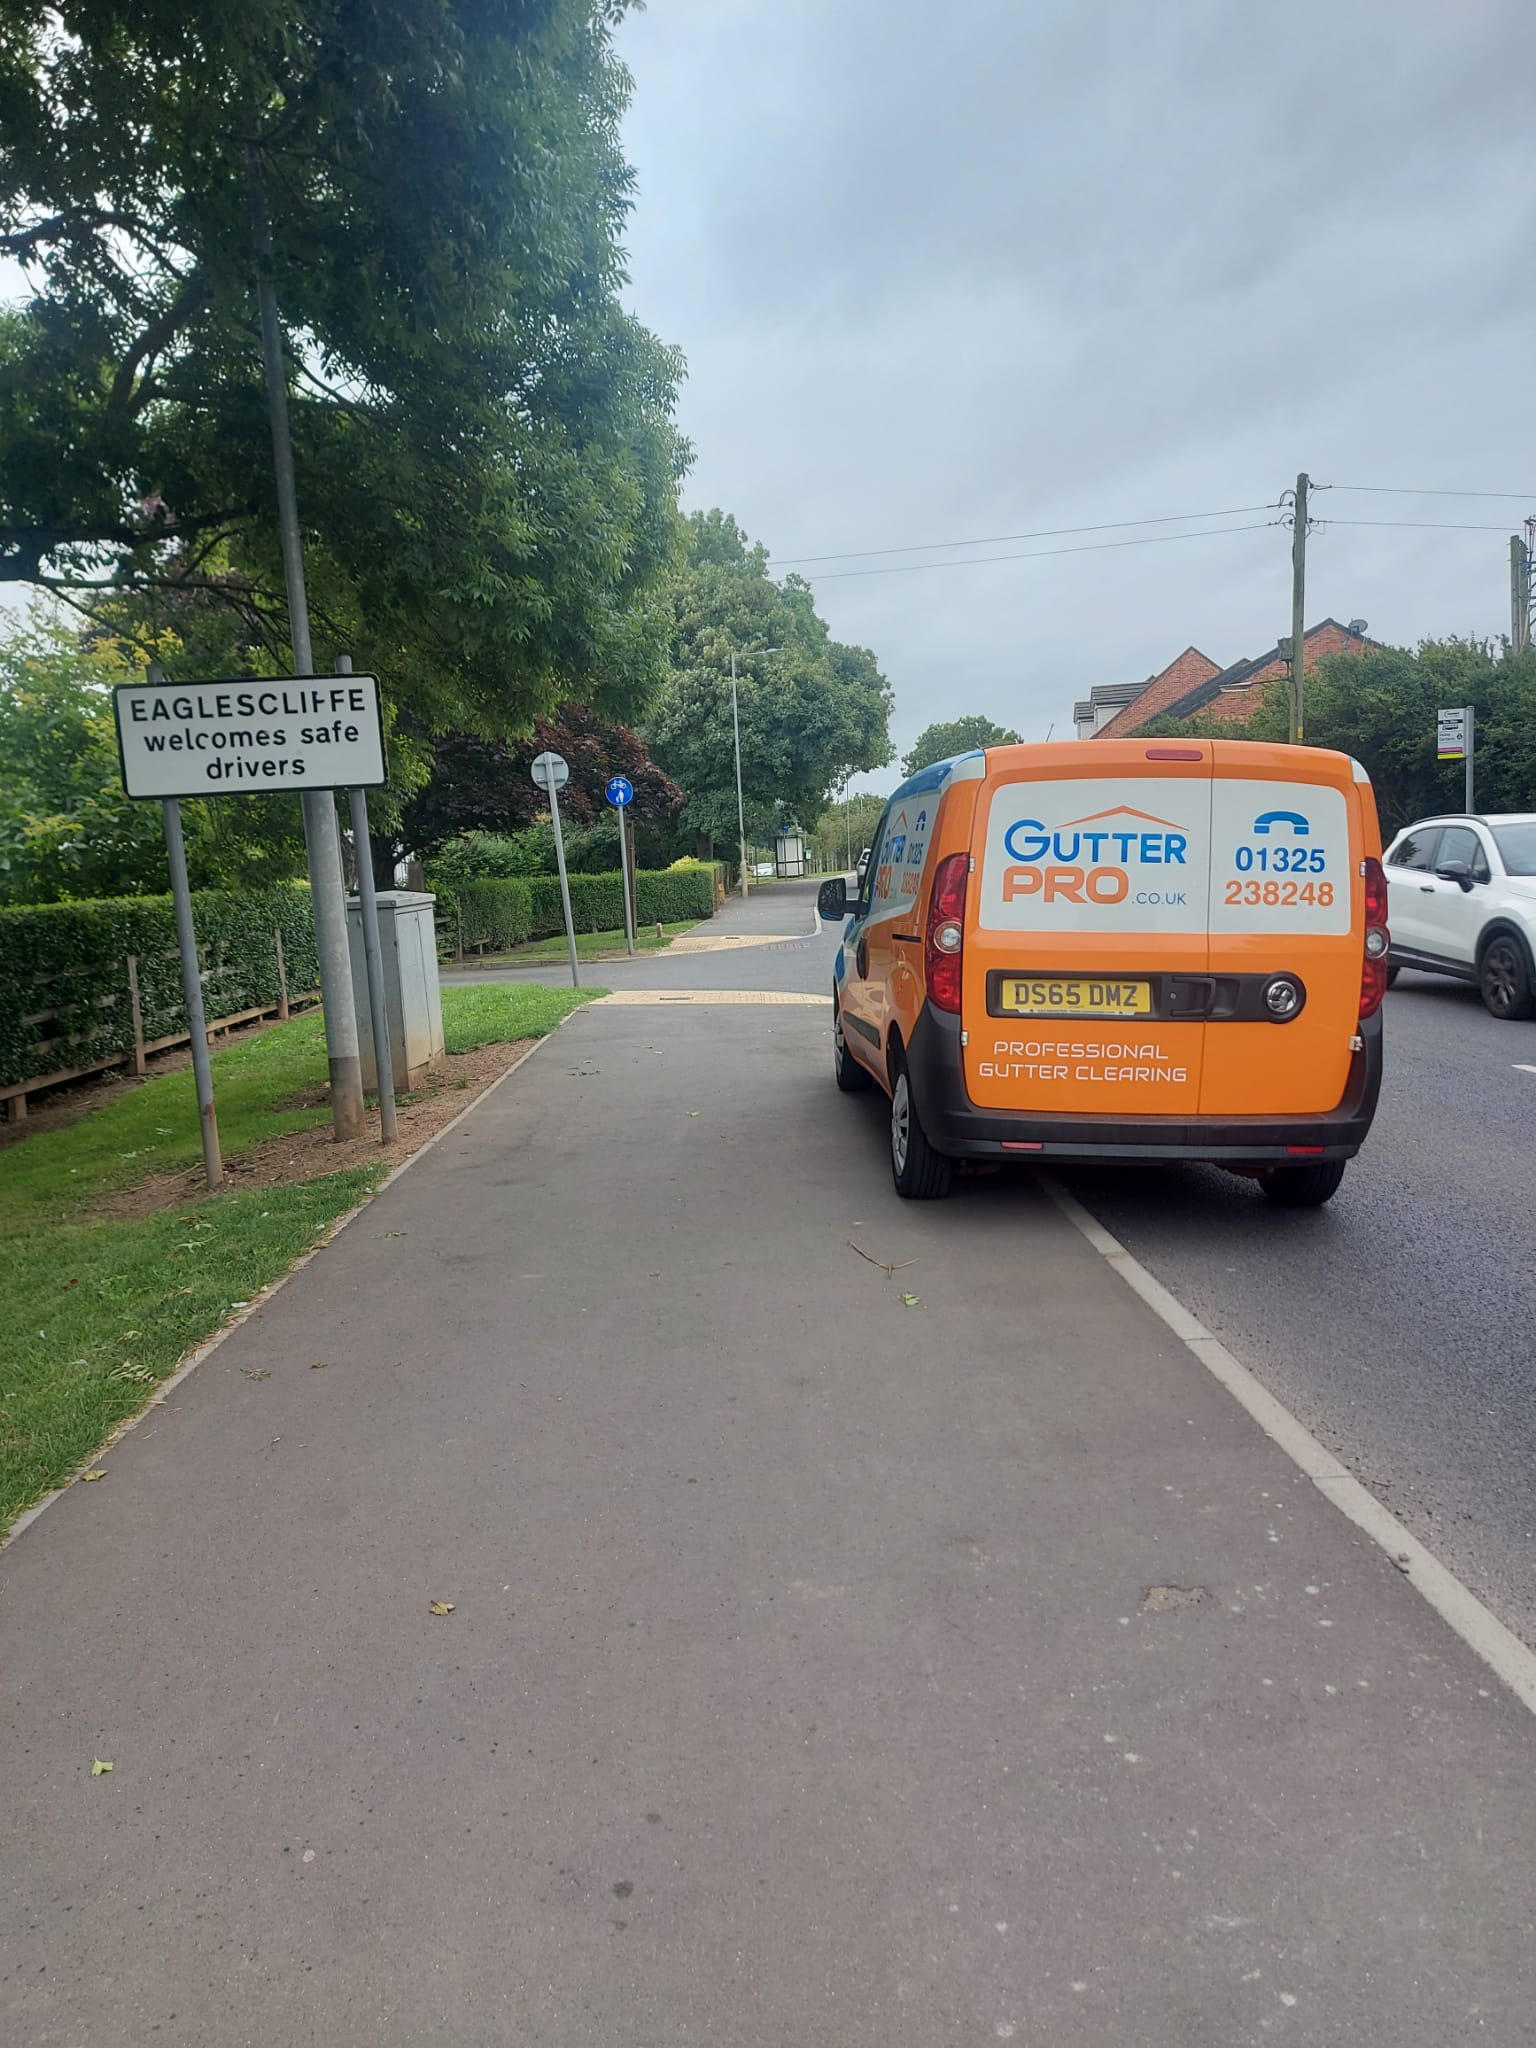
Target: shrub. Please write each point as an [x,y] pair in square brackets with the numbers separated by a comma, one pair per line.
[491,912]
[492,856]
[597,901]
[71,958]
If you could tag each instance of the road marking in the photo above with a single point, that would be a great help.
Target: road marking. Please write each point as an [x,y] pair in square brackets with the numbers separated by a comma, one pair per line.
[726,942]
[1522,1068]
[1480,1630]
[627,997]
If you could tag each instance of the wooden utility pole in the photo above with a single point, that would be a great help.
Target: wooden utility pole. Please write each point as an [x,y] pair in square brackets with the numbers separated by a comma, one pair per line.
[1519,595]
[1298,610]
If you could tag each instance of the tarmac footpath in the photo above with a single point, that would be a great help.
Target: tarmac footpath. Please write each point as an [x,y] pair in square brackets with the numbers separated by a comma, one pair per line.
[871,1628]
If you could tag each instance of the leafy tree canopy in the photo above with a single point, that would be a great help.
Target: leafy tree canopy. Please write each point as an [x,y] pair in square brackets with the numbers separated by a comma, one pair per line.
[485,785]
[66,827]
[486,461]
[959,736]
[812,713]
[1380,707]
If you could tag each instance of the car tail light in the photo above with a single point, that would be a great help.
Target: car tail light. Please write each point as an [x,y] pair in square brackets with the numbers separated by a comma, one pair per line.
[1373,975]
[944,942]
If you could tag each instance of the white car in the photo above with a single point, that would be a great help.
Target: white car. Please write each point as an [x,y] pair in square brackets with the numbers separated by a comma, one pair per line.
[1461,900]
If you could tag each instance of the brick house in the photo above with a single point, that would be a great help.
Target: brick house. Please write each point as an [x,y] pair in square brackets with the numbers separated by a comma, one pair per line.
[1194,684]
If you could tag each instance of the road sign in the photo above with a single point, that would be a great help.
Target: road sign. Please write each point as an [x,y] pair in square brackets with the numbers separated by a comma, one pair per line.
[620,792]
[1451,735]
[551,771]
[249,737]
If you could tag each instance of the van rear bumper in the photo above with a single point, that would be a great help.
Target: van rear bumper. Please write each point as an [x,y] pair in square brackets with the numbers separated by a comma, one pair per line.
[955,1125]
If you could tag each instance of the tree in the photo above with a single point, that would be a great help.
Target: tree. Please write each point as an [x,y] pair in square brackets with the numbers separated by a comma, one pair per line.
[67,829]
[486,462]
[485,785]
[844,829]
[960,736]
[812,712]
[1380,707]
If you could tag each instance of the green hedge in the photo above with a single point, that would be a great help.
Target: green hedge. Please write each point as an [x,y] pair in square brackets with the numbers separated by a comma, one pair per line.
[494,913]
[665,896]
[72,958]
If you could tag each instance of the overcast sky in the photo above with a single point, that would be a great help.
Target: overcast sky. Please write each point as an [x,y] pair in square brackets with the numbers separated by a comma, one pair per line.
[1002,265]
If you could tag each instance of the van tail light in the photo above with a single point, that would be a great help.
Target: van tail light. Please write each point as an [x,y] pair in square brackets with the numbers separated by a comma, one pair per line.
[944,940]
[1373,975]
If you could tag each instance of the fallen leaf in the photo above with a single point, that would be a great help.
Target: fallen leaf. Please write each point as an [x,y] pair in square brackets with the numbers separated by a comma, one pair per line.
[98,1768]
[441,1607]
[910,1301]
[319,1365]
[693,1112]
[256,1372]
[89,1476]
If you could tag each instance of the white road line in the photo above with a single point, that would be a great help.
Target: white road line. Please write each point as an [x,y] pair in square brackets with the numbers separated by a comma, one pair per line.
[1521,1067]
[1500,1649]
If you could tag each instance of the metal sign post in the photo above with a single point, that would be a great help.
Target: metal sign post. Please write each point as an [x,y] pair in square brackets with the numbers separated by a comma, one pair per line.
[1456,740]
[621,794]
[192,989]
[551,773]
[373,950]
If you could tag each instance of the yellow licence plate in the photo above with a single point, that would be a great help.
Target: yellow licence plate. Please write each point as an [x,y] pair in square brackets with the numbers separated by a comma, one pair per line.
[1020,998]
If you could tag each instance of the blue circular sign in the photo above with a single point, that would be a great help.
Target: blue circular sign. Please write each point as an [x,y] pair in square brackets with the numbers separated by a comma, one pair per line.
[620,792]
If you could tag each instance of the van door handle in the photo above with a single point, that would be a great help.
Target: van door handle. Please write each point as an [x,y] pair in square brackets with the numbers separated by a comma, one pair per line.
[909,938]
[1426,888]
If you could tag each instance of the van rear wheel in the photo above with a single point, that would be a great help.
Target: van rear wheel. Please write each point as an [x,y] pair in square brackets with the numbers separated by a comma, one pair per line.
[1304,1187]
[920,1173]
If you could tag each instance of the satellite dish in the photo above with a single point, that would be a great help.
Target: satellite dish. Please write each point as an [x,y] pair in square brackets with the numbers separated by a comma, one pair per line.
[1357,625]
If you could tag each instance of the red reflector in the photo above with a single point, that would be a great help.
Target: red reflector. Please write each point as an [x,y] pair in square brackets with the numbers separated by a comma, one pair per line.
[1306,1151]
[946,906]
[1018,1145]
[1175,754]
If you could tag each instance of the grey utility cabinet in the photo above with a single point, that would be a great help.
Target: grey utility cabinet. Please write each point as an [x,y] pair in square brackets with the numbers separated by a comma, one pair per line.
[408,936]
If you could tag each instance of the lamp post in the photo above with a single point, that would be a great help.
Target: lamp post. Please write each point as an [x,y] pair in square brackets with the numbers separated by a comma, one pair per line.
[741,808]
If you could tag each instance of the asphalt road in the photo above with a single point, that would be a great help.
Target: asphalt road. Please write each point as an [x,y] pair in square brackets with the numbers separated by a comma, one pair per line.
[830,1655]
[1399,1323]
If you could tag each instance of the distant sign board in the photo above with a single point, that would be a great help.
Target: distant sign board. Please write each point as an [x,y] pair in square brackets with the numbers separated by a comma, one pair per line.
[249,737]
[620,792]
[550,771]
[1451,735]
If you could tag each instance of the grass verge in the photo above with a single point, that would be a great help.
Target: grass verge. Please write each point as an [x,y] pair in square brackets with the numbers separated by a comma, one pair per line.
[95,1313]
[589,946]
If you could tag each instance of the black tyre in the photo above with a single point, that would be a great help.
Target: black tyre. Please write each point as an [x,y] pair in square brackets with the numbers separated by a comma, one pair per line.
[920,1173]
[1392,974]
[1504,980]
[851,1077]
[1304,1187]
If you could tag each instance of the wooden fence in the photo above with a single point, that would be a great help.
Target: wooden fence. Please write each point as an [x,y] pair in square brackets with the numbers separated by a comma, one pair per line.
[135,1055]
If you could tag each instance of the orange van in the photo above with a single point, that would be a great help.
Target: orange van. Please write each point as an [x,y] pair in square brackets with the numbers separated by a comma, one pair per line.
[1121,949]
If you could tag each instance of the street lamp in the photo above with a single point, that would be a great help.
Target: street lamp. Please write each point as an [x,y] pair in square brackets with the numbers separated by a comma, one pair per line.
[741,809]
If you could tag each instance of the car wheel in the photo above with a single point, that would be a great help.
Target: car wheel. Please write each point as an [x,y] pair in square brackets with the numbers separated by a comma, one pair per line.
[920,1173]
[1304,1187]
[1504,980]
[851,1077]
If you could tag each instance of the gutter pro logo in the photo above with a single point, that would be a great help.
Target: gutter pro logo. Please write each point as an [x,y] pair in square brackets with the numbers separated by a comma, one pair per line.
[1093,859]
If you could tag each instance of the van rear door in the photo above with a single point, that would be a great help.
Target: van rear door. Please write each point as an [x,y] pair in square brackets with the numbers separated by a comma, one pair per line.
[1087,951]
[1288,836]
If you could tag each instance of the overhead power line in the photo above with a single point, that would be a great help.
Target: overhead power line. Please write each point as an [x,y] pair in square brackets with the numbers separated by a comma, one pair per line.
[988,540]
[1427,525]
[1405,491]
[1145,540]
